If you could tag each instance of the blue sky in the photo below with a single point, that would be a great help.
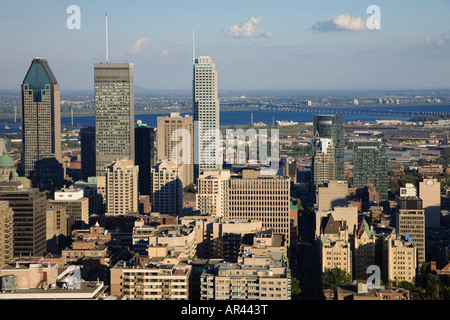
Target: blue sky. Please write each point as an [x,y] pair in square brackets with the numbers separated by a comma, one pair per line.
[282,44]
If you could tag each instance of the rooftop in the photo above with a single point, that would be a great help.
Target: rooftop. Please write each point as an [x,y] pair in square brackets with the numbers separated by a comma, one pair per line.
[88,290]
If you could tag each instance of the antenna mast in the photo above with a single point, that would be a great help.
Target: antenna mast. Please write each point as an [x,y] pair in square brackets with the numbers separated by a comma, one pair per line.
[106,22]
[193,47]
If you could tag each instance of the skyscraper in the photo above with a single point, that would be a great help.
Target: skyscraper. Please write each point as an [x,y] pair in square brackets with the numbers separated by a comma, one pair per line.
[41,124]
[119,187]
[114,113]
[330,126]
[29,208]
[324,161]
[87,137]
[144,155]
[174,136]
[167,188]
[207,155]
[410,223]
[370,166]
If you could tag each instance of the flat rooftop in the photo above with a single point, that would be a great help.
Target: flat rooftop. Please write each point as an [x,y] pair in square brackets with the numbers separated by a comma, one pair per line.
[88,290]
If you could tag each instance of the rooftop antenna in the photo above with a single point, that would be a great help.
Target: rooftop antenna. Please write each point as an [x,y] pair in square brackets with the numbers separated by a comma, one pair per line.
[193,46]
[106,22]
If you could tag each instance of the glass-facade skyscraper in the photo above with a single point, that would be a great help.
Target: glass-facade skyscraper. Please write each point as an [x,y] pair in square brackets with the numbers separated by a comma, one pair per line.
[114,113]
[41,124]
[87,138]
[207,155]
[370,166]
[331,127]
[145,157]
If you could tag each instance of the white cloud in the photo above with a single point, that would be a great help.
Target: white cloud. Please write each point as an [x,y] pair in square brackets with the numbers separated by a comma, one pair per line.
[139,45]
[247,29]
[441,41]
[164,52]
[342,22]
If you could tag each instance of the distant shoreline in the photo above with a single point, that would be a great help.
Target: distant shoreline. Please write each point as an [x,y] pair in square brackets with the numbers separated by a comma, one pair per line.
[68,115]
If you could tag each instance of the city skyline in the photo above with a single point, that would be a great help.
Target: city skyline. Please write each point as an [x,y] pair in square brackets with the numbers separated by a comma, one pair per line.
[263,45]
[153,194]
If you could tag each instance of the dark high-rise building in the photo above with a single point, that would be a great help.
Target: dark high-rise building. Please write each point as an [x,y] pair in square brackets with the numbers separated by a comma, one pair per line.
[41,125]
[331,127]
[144,157]
[87,138]
[29,208]
[370,166]
[114,113]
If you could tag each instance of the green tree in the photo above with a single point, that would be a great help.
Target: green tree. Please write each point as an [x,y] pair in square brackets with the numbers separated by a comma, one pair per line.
[432,289]
[350,182]
[190,188]
[407,286]
[295,289]
[393,185]
[422,162]
[335,277]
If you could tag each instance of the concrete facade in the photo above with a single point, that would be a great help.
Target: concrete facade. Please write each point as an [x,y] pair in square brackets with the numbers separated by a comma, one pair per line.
[167,188]
[6,233]
[212,193]
[175,142]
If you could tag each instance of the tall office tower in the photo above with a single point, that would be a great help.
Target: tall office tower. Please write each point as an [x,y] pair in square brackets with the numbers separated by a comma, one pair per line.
[29,208]
[144,157]
[119,188]
[167,188]
[207,147]
[76,205]
[265,198]
[212,193]
[41,124]
[430,193]
[114,113]
[6,233]
[331,127]
[324,161]
[87,137]
[175,142]
[410,223]
[370,166]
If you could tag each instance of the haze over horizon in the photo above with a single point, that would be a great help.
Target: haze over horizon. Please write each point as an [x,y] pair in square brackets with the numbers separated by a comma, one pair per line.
[256,45]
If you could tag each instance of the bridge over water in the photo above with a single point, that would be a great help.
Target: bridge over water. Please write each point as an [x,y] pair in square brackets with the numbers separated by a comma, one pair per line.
[408,113]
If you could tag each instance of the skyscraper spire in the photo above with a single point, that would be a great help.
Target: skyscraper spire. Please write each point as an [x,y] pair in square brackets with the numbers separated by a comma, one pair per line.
[193,46]
[106,22]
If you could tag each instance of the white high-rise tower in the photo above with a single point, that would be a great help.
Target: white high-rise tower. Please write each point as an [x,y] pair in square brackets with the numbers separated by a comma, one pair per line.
[207,155]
